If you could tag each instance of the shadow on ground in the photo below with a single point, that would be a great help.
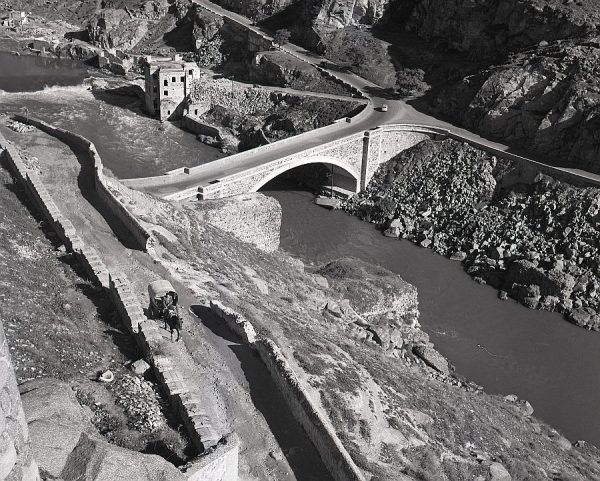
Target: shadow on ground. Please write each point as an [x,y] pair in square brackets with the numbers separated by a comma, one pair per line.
[300,453]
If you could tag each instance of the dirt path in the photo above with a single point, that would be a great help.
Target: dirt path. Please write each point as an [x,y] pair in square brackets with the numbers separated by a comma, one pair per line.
[232,382]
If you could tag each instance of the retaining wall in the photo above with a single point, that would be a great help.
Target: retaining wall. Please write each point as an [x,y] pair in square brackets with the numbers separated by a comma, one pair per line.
[317,426]
[148,335]
[188,406]
[195,125]
[139,233]
[87,256]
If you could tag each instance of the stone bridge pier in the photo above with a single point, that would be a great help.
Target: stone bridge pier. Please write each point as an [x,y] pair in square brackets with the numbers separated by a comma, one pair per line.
[359,155]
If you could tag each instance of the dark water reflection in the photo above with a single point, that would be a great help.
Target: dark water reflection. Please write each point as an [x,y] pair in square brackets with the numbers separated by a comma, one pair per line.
[26,73]
[501,345]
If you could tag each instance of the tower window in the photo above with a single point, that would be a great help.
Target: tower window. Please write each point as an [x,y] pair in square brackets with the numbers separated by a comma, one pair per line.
[166,93]
[183,79]
[166,82]
[190,72]
[173,79]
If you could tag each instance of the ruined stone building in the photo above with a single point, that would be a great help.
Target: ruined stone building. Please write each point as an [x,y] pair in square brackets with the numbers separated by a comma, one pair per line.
[168,86]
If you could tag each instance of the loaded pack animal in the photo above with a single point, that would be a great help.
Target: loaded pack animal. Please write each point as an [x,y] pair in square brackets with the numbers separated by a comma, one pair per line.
[163,305]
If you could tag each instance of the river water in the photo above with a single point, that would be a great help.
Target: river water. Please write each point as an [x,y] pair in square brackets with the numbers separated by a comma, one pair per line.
[499,344]
[130,143]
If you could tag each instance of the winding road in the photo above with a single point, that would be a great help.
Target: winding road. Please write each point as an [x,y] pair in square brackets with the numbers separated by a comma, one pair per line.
[184,183]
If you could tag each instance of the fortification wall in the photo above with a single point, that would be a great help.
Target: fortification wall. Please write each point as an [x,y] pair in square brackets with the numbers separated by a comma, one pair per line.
[222,465]
[16,457]
[138,232]
[305,410]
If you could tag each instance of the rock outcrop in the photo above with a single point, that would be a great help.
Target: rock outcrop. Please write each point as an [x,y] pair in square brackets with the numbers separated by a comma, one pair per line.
[253,218]
[384,303]
[533,237]
[545,99]
[67,446]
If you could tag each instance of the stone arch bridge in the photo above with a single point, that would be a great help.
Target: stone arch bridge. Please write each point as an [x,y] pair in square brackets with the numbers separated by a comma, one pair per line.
[358,154]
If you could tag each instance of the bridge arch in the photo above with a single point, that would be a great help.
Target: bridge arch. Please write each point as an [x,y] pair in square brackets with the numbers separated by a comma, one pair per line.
[317,159]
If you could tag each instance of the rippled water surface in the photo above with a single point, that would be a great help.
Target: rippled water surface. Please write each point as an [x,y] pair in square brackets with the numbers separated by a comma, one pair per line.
[130,143]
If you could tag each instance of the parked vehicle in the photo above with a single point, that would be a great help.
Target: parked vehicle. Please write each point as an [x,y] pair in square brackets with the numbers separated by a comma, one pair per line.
[384,108]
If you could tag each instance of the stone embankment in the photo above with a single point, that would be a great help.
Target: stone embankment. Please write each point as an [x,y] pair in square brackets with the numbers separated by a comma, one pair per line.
[531,236]
[223,464]
[306,411]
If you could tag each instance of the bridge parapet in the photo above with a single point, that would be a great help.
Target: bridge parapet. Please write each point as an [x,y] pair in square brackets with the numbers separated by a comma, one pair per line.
[345,153]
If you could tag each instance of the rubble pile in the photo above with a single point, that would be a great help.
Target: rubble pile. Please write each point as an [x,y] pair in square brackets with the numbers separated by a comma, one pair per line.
[19,126]
[141,403]
[536,241]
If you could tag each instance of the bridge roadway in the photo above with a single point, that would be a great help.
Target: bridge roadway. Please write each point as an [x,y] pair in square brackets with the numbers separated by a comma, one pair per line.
[399,112]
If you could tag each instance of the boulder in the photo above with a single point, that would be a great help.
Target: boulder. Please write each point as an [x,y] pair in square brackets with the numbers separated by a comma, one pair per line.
[551,283]
[67,446]
[432,358]
[94,459]
[140,367]
[458,256]
[56,421]
[499,473]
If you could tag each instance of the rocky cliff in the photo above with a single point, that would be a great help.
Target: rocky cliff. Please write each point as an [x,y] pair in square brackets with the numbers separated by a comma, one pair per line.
[546,99]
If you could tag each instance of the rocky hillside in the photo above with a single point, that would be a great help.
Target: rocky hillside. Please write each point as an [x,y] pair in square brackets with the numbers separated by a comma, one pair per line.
[531,236]
[350,330]
[546,99]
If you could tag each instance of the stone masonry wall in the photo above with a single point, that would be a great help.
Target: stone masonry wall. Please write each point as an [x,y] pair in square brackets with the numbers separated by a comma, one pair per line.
[16,458]
[253,218]
[307,412]
[222,465]
[138,232]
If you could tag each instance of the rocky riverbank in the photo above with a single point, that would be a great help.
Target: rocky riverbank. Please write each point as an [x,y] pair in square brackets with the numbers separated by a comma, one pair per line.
[351,330]
[536,240]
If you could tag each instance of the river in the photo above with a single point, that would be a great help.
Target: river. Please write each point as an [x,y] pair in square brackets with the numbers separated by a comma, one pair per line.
[128,141]
[499,344]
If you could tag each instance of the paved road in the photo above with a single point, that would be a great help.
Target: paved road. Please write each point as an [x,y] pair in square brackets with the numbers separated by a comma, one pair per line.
[399,112]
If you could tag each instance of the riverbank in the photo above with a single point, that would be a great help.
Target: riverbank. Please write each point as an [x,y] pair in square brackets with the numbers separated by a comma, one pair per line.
[532,237]
[397,416]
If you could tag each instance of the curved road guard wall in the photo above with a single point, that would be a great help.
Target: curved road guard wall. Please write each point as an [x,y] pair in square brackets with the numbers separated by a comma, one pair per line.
[222,463]
[16,458]
[317,426]
[148,336]
[142,237]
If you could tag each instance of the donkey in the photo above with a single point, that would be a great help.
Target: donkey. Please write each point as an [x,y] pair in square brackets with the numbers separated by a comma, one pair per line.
[174,322]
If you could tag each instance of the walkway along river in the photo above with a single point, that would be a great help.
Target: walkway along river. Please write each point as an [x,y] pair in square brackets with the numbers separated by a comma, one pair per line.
[499,344]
